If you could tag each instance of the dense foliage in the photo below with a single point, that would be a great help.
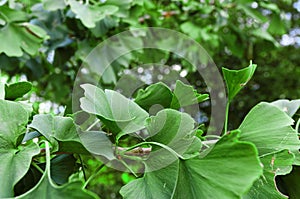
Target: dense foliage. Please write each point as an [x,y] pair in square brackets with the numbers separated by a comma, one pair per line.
[124,146]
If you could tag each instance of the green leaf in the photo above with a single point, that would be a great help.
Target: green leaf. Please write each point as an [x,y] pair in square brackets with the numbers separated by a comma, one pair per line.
[279,163]
[264,188]
[157,184]
[172,128]
[158,93]
[46,188]
[18,37]
[118,113]
[263,34]
[227,171]
[253,13]
[185,95]
[288,106]
[57,128]
[90,14]
[237,79]
[277,25]
[53,5]
[15,160]
[269,129]
[17,90]
[97,143]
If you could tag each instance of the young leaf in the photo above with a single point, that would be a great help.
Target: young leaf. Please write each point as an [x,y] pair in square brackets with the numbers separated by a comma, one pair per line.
[17,90]
[158,93]
[237,79]
[118,113]
[185,95]
[269,129]
[15,161]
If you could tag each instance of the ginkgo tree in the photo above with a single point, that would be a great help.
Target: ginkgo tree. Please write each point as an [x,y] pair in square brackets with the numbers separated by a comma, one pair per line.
[41,153]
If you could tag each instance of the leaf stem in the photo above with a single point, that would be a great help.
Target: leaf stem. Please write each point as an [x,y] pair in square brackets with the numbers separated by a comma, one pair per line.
[82,166]
[37,167]
[226,117]
[297,126]
[90,127]
[97,171]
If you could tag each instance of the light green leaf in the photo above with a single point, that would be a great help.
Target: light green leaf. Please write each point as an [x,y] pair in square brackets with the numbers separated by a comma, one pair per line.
[53,5]
[57,128]
[253,13]
[15,160]
[237,79]
[90,14]
[46,188]
[17,90]
[279,163]
[185,95]
[264,188]
[288,106]
[19,37]
[269,129]
[157,184]
[97,143]
[123,7]
[158,93]
[118,113]
[172,128]
[227,171]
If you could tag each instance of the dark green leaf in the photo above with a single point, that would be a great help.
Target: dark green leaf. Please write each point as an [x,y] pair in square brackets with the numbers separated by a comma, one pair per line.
[17,90]
[158,93]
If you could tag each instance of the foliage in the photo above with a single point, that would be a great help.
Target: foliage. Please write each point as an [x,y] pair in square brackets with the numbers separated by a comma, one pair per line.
[47,40]
[176,162]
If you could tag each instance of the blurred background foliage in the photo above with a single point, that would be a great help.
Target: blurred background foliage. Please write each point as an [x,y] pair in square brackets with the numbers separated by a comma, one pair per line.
[46,41]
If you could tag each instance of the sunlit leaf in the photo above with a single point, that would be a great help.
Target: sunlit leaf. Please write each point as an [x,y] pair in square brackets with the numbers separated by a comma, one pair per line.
[237,79]
[269,129]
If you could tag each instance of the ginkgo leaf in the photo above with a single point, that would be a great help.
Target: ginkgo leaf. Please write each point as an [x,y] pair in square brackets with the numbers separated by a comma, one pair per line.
[269,128]
[15,160]
[237,79]
[185,95]
[20,36]
[227,171]
[90,14]
[118,113]
[154,94]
